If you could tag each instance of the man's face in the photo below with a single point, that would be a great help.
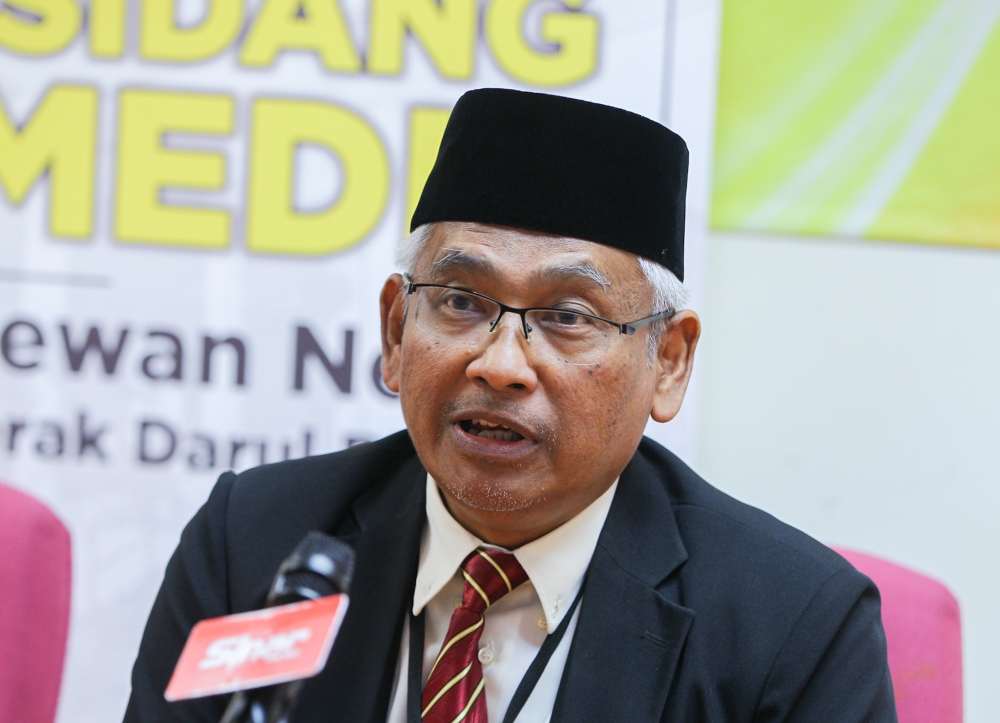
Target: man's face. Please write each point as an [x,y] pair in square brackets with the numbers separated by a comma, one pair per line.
[574,427]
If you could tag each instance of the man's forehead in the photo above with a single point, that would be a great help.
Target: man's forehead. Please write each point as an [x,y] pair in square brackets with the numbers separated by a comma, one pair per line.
[499,238]
[478,249]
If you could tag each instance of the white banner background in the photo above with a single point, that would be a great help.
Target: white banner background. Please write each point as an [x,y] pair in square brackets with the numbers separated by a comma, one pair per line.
[71,430]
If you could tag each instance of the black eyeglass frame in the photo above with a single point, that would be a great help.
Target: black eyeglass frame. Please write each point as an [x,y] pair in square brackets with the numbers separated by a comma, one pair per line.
[629,328]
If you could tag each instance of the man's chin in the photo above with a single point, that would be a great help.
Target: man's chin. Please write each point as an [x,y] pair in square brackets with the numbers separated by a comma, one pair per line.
[489,475]
[490,495]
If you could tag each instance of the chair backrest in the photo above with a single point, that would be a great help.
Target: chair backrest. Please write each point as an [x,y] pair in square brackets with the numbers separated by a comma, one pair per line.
[35,577]
[924,635]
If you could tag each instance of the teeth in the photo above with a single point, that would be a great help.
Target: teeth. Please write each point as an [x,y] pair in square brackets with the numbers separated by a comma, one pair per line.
[506,436]
[482,428]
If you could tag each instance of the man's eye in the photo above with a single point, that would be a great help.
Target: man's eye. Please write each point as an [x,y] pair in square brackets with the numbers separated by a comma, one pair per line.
[568,318]
[459,302]
[557,317]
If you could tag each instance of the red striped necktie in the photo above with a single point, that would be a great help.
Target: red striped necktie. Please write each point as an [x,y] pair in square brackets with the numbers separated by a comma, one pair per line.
[454,690]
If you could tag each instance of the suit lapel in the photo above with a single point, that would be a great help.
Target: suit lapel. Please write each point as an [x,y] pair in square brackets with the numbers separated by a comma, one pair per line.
[629,637]
[357,681]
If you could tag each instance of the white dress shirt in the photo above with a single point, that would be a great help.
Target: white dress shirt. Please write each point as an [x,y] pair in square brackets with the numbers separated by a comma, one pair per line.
[515,626]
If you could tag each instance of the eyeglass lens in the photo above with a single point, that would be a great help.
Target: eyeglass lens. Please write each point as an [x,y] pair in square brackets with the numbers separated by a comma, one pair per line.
[558,335]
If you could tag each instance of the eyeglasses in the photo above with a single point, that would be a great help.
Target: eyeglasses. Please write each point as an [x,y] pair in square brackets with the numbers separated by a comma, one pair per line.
[563,335]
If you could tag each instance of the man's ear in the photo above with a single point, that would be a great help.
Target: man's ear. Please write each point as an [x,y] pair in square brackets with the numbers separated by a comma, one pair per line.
[674,361]
[391,309]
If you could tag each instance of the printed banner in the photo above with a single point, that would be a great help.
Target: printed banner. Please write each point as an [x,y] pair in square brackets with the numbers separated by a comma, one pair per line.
[872,118]
[199,202]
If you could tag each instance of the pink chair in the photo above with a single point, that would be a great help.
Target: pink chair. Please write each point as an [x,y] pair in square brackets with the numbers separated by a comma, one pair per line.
[34,608]
[924,635]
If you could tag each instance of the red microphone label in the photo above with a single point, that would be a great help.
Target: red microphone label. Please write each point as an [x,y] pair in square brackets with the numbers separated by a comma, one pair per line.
[259,648]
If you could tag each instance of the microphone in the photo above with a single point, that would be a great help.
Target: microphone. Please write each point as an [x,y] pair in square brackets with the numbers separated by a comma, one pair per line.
[318,567]
[266,655]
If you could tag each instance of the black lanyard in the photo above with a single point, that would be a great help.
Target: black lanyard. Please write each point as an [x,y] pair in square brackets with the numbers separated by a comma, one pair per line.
[524,688]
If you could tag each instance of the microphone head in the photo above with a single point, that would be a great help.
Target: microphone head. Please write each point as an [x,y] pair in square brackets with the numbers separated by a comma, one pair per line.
[320,565]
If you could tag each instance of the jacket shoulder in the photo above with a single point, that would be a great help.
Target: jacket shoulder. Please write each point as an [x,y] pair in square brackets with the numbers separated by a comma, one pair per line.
[313,486]
[715,523]
[780,620]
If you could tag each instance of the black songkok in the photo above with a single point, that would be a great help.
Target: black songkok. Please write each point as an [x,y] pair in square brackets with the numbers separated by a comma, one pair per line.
[561,166]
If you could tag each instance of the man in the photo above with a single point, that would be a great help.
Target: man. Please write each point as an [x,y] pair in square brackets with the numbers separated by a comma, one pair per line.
[521,549]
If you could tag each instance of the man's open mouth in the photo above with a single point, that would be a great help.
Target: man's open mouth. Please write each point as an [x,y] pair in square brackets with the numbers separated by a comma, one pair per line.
[482,428]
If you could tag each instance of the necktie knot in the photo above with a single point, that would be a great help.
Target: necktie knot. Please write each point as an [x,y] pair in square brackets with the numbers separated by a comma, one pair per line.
[489,575]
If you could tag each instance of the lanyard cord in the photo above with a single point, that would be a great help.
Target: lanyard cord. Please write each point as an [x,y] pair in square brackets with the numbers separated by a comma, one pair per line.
[524,688]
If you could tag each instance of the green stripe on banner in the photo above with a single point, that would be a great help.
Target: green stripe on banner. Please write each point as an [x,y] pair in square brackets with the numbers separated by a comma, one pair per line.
[827,112]
[952,195]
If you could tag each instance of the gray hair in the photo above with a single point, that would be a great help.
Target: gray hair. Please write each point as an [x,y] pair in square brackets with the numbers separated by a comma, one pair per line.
[410,248]
[669,292]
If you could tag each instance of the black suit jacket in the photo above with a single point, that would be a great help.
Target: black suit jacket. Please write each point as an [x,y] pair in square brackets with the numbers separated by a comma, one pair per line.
[696,608]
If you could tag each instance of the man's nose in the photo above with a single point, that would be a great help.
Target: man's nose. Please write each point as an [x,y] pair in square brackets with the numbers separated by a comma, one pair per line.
[504,363]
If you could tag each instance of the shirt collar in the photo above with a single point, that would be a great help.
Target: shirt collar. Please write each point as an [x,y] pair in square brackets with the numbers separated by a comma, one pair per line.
[555,562]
